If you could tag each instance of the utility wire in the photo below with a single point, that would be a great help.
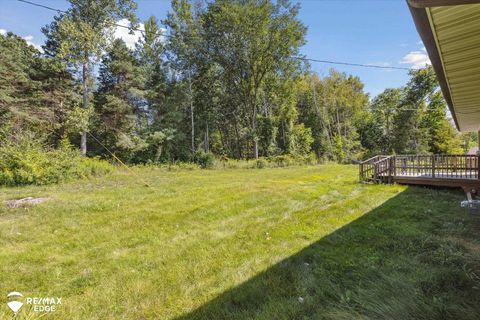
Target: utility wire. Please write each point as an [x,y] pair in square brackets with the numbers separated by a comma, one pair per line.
[120,161]
[62,11]
[42,6]
[295,57]
[353,64]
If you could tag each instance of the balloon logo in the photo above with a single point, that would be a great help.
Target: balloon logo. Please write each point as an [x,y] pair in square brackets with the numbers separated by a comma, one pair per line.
[14,304]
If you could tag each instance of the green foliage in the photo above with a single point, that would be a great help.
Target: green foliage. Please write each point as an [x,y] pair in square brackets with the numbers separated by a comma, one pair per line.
[78,119]
[261,163]
[36,93]
[379,129]
[204,159]
[335,109]
[260,37]
[119,115]
[224,80]
[301,140]
[81,34]
[27,161]
[412,119]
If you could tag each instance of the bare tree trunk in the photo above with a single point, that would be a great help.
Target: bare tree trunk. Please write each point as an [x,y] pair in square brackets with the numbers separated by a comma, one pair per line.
[237,138]
[339,131]
[158,154]
[254,129]
[326,120]
[191,113]
[83,139]
[207,142]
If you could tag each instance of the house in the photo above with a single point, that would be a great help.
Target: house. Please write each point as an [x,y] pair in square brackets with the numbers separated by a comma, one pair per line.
[450,30]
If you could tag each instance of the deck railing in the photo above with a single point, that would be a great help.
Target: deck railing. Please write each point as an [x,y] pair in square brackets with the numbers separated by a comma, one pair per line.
[384,168]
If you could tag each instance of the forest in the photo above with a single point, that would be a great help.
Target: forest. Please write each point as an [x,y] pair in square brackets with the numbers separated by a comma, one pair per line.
[222,79]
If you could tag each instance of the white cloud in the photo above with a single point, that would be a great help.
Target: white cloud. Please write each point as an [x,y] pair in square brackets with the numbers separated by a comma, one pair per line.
[132,38]
[29,40]
[417,59]
[124,33]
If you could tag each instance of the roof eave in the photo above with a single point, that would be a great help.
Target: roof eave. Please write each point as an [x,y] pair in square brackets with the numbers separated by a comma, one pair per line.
[422,23]
[438,3]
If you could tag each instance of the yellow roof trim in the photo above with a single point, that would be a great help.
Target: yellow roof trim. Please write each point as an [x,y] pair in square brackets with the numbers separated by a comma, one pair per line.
[447,80]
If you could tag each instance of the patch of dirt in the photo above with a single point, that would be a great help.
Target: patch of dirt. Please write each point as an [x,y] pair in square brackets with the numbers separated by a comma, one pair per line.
[23,202]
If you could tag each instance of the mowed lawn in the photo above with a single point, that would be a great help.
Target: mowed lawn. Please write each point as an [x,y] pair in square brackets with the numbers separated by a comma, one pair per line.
[286,243]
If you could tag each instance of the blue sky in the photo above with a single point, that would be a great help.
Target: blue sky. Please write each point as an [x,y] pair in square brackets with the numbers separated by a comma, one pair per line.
[370,32]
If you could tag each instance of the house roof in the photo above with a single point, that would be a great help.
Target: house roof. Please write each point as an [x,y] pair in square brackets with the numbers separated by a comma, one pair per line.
[450,30]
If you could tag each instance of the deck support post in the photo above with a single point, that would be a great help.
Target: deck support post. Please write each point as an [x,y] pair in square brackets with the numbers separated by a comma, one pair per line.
[390,167]
[478,166]
[470,192]
[478,156]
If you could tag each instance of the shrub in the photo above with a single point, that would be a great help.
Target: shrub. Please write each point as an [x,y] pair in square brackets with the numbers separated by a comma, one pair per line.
[282,161]
[302,140]
[309,159]
[206,160]
[27,161]
[261,163]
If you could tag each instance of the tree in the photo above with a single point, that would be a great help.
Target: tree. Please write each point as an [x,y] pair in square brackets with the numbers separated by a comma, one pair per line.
[412,119]
[384,109]
[250,40]
[183,46]
[36,93]
[118,101]
[409,136]
[82,33]
[441,136]
[336,109]
[149,53]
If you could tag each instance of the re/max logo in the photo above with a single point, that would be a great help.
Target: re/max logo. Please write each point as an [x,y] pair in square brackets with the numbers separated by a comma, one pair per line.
[44,300]
[38,304]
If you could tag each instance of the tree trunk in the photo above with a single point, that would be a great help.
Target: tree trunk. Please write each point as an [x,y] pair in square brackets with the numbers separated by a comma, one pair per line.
[237,140]
[83,139]
[207,142]
[191,113]
[254,130]
[158,154]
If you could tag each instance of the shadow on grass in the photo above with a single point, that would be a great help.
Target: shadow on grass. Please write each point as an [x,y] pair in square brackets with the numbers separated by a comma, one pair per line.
[413,257]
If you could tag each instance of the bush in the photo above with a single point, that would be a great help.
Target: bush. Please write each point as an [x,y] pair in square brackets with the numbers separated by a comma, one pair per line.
[282,161]
[206,160]
[261,163]
[28,162]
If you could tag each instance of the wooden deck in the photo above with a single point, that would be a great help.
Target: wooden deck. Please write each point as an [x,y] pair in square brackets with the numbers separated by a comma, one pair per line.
[437,170]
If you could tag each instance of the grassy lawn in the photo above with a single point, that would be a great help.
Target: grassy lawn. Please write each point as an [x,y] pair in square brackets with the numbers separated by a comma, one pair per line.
[287,243]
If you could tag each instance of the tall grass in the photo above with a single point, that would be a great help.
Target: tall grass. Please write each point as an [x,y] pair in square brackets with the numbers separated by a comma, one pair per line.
[28,161]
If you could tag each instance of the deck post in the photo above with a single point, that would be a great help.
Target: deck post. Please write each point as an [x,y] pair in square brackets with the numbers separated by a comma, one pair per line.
[433,166]
[360,172]
[390,167]
[478,166]
[478,156]
[394,159]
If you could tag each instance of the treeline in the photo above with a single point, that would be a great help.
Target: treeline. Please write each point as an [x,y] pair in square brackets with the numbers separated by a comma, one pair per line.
[222,79]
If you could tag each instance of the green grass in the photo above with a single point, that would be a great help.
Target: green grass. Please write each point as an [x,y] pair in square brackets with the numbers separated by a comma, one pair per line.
[242,244]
